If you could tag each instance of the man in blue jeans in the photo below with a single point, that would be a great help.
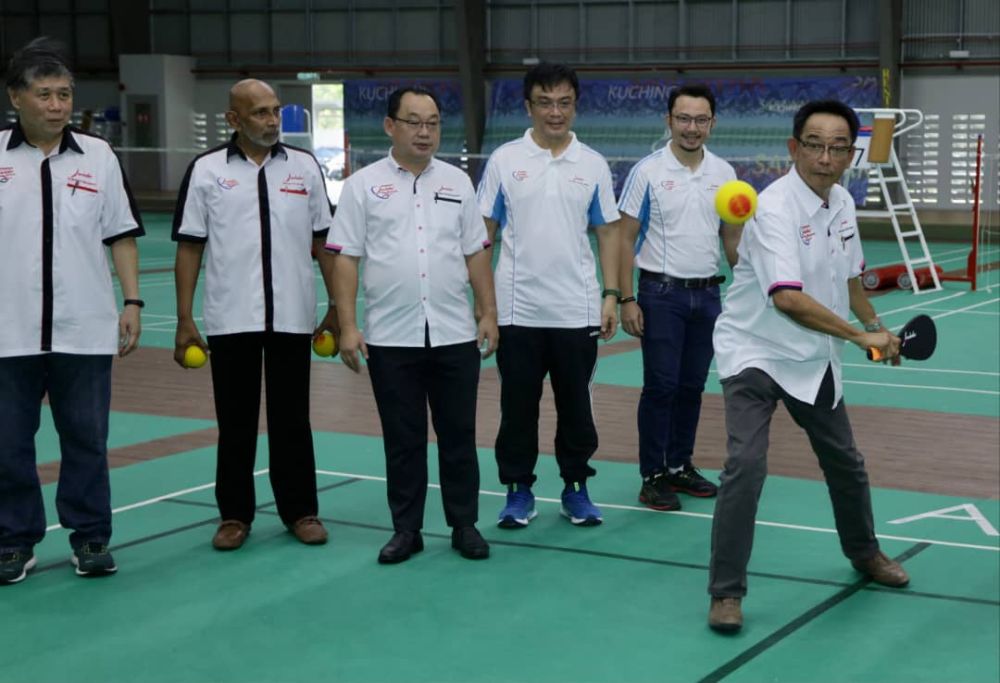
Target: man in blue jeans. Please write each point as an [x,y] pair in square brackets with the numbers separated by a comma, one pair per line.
[63,200]
[670,228]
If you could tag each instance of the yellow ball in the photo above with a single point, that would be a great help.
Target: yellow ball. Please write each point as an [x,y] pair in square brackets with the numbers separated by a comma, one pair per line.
[194,357]
[736,201]
[325,344]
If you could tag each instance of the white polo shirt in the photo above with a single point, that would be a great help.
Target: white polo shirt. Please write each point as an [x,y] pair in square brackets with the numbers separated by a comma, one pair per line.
[546,275]
[675,206]
[413,234]
[57,214]
[793,242]
[258,223]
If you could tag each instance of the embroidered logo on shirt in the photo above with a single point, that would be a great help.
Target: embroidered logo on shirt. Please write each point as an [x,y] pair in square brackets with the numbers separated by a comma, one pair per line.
[577,180]
[383,191]
[668,185]
[294,184]
[806,234]
[227,183]
[81,181]
[446,194]
[519,175]
[6,174]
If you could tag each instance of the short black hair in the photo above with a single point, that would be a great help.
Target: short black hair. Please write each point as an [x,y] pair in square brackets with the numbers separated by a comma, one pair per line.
[835,107]
[397,97]
[691,90]
[41,58]
[549,75]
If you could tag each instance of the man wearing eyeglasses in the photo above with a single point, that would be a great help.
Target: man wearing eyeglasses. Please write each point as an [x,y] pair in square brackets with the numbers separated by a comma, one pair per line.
[669,199]
[780,338]
[415,222]
[542,192]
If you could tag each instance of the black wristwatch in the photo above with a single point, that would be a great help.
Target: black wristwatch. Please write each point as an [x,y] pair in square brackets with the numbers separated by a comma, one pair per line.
[134,302]
[616,293]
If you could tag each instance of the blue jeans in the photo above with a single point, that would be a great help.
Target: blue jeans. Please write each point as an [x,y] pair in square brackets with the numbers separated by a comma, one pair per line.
[676,353]
[79,389]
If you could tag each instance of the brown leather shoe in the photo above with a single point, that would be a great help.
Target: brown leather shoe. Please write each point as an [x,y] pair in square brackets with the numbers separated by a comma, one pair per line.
[230,535]
[309,530]
[883,570]
[725,615]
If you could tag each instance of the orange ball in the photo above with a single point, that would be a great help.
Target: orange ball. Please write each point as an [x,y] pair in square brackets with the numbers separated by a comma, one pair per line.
[736,201]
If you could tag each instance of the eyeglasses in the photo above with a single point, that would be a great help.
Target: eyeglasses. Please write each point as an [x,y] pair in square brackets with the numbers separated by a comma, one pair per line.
[685,120]
[415,125]
[816,149]
[547,105]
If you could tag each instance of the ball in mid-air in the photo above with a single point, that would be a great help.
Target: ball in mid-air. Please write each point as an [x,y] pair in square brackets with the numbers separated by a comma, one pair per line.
[736,201]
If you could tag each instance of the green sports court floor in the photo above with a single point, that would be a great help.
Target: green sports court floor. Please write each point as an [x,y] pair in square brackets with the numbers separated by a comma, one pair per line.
[624,601]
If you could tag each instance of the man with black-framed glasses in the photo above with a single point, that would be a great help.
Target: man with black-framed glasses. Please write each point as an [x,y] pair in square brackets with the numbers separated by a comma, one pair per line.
[415,222]
[543,192]
[669,198]
[780,338]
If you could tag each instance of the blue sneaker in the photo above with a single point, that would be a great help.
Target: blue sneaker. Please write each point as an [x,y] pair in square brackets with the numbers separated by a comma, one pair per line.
[520,508]
[576,506]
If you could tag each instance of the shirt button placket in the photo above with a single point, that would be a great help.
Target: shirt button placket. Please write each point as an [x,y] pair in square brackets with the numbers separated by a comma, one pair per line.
[422,260]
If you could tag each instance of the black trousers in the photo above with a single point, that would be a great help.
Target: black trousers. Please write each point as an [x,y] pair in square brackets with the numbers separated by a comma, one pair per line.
[569,358]
[236,378]
[405,381]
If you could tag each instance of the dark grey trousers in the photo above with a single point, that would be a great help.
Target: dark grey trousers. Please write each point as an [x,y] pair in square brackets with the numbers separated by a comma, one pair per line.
[751,399]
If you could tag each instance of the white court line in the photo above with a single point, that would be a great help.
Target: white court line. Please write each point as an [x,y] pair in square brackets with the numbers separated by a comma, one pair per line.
[701,515]
[611,506]
[967,308]
[911,368]
[921,304]
[157,499]
[957,390]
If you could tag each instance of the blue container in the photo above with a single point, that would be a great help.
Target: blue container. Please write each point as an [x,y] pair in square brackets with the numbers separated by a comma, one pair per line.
[293,119]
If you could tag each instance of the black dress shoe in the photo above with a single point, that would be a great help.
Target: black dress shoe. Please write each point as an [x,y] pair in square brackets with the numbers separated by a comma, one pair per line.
[468,541]
[400,547]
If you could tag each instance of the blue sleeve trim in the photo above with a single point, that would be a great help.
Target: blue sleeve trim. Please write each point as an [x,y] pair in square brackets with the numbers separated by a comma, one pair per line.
[594,215]
[643,220]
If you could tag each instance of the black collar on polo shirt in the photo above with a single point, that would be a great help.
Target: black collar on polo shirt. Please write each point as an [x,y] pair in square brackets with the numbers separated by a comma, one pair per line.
[67,142]
[233,149]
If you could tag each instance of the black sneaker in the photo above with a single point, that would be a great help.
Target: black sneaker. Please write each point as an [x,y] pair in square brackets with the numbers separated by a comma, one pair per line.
[690,481]
[15,565]
[657,494]
[93,559]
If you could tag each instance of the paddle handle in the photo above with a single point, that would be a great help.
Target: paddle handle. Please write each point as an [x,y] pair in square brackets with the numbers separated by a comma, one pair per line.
[874,354]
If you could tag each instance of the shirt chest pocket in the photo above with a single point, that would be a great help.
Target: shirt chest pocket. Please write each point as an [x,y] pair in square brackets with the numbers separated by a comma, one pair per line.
[78,199]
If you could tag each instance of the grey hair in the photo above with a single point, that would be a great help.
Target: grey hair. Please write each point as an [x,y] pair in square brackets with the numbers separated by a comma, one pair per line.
[41,58]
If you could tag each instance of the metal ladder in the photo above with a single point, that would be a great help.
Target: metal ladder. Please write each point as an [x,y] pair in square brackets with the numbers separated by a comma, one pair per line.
[906,120]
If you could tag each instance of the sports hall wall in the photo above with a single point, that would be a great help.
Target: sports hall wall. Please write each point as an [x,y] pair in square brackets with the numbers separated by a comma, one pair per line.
[946,57]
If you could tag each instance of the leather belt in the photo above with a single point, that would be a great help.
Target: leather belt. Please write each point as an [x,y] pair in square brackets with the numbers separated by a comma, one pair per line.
[690,283]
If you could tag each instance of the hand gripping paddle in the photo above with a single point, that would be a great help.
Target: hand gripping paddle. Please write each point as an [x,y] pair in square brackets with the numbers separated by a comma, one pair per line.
[918,340]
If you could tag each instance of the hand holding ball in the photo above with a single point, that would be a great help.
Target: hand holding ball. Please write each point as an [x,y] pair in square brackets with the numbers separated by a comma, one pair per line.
[325,344]
[736,201]
[194,357]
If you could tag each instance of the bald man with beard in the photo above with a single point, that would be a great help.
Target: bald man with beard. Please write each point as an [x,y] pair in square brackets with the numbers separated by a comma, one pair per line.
[253,209]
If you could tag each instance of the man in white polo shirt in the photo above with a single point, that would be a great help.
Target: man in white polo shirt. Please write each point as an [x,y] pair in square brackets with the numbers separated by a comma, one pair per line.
[256,208]
[414,222]
[780,338]
[63,199]
[542,192]
[668,205]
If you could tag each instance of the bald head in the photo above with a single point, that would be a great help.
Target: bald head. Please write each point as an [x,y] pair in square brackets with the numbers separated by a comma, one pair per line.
[255,115]
[246,90]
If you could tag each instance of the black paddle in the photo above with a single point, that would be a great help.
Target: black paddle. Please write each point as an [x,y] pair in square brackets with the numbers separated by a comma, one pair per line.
[918,340]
